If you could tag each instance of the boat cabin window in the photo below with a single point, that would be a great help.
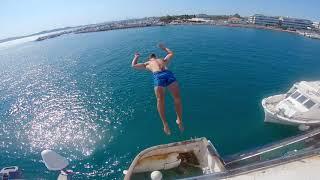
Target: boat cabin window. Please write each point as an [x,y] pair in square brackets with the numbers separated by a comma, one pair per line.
[295,95]
[309,104]
[301,99]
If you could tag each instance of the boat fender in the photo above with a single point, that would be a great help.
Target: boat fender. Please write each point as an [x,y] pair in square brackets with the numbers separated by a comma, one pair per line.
[303,127]
[156,175]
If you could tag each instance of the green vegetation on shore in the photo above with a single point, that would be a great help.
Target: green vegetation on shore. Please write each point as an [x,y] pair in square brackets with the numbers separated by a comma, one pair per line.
[168,18]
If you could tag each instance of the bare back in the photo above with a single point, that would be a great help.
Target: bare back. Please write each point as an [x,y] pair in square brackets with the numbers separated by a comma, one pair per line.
[156,65]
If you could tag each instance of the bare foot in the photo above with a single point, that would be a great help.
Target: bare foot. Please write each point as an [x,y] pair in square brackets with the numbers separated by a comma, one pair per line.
[166,130]
[179,122]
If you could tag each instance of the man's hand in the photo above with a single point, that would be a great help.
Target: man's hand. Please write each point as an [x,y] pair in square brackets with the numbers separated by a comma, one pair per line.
[162,46]
[168,51]
[136,55]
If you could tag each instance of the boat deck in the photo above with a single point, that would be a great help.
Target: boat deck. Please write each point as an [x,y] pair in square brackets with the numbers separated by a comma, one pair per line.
[270,103]
[305,169]
[271,107]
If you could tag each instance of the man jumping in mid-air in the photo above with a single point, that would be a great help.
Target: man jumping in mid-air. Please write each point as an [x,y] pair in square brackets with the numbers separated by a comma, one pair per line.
[162,78]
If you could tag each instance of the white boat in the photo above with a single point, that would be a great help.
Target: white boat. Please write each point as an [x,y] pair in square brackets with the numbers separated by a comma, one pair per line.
[193,157]
[293,158]
[300,106]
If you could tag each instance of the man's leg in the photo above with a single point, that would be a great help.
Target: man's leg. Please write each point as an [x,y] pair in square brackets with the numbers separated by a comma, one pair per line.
[159,91]
[174,89]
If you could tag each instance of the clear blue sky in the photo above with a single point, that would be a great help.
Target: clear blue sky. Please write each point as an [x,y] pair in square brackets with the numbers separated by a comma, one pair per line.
[19,17]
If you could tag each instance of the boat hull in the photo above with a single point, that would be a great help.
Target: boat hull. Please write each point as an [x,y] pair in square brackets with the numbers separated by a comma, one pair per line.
[271,118]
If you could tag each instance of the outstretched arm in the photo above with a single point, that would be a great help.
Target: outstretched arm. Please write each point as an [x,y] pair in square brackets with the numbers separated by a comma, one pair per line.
[168,51]
[135,63]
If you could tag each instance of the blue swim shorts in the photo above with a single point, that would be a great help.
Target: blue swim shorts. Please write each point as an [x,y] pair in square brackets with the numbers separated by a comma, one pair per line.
[163,78]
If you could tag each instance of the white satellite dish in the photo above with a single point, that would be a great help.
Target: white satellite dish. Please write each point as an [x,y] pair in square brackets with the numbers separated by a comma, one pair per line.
[53,160]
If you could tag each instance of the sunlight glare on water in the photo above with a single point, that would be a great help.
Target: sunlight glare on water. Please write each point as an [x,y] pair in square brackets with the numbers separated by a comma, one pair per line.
[49,112]
[51,115]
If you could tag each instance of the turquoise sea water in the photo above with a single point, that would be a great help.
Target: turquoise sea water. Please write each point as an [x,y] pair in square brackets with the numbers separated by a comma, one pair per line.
[78,95]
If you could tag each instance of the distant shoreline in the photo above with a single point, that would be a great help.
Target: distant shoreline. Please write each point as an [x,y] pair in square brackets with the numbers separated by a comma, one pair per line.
[249,26]
[311,31]
[312,34]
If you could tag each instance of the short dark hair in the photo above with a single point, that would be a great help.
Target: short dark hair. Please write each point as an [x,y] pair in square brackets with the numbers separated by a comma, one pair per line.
[152,56]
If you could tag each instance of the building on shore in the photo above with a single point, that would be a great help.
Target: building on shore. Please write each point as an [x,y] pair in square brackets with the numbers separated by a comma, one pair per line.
[294,23]
[234,20]
[263,20]
[199,20]
[284,22]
